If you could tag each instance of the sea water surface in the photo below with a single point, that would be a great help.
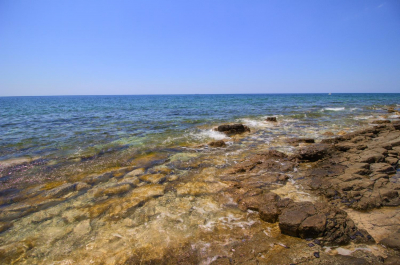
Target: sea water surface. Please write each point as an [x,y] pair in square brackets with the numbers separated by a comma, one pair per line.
[122,179]
[65,126]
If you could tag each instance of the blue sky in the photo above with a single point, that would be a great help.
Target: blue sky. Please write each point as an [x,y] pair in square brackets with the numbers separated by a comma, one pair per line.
[184,47]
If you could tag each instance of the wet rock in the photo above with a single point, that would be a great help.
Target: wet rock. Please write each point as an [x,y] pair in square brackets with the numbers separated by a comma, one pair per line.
[94,180]
[219,143]
[83,228]
[61,190]
[296,141]
[11,253]
[272,119]
[380,121]
[233,129]
[328,134]
[112,191]
[135,173]
[392,260]
[199,188]
[147,191]
[133,181]
[82,186]
[153,178]
[5,226]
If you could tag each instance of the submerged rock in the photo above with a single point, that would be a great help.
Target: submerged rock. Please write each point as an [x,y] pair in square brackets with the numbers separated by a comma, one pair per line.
[219,143]
[273,119]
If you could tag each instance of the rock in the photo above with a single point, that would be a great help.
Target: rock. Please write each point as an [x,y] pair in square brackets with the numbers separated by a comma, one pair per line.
[153,178]
[393,243]
[82,186]
[380,121]
[382,168]
[313,226]
[147,191]
[392,260]
[301,140]
[135,173]
[371,157]
[233,129]
[293,216]
[11,253]
[133,181]
[61,190]
[199,188]
[83,228]
[328,134]
[111,191]
[308,220]
[273,119]
[392,161]
[312,153]
[94,180]
[4,226]
[219,143]
[395,142]
[269,213]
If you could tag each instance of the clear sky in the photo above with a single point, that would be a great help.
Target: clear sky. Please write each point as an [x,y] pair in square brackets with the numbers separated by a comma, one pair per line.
[198,46]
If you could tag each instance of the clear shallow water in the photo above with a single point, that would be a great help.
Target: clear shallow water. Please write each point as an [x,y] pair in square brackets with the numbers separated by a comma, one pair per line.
[85,125]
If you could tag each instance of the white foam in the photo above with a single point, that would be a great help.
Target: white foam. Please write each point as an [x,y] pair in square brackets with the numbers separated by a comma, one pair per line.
[206,134]
[353,109]
[255,123]
[363,117]
[334,109]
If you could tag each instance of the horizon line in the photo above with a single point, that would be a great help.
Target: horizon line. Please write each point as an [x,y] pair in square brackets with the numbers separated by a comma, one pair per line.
[203,94]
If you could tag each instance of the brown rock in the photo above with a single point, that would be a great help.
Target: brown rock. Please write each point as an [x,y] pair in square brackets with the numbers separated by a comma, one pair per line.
[313,226]
[219,143]
[382,168]
[273,119]
[392,242]
[233,129]
[153,178]
[269,213]
[380,121]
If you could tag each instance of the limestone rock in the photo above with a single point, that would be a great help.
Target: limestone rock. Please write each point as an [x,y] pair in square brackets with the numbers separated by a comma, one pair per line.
[153,178]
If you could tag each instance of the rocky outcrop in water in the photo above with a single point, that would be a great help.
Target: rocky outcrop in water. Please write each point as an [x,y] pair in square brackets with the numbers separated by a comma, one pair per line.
[232,129]
[219,143]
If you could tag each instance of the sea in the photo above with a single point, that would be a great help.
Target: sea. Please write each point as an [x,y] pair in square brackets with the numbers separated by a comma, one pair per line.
[48,141]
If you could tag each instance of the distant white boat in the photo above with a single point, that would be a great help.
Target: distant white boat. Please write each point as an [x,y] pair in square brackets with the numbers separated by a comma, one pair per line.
[330,94]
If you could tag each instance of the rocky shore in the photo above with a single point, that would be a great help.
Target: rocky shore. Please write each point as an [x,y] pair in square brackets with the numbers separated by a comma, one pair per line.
[330,202]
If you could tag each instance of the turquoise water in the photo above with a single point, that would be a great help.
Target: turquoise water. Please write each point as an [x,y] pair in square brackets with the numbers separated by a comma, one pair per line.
[65,126]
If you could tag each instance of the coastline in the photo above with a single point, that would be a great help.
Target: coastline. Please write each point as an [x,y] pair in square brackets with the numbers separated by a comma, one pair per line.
[147,213]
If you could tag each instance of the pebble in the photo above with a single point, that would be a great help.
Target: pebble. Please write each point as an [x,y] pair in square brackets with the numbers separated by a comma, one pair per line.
[316,254]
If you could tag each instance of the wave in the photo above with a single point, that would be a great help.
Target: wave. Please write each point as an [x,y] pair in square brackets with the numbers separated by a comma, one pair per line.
[333,109]
[207,134]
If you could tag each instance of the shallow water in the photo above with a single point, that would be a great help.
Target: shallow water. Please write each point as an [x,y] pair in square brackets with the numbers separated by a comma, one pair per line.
[176,199]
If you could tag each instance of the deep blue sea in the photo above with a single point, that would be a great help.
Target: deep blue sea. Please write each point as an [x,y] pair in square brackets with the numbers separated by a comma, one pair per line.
[66,126]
